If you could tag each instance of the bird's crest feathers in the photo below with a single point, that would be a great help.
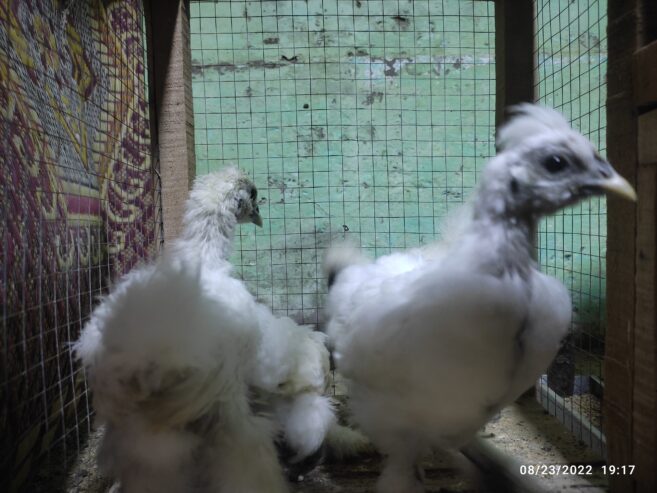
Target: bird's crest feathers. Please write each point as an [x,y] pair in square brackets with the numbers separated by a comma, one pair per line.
[214,188]
[527,121]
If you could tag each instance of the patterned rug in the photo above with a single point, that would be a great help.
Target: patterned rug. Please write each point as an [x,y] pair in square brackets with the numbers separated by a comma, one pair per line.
[77,204]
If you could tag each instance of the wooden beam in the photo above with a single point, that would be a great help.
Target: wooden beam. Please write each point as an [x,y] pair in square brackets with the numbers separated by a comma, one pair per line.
[514,52]
[644,410]
[647,22]
[621,243]
[645,76]
[631,341]
[172,75]
[648,138]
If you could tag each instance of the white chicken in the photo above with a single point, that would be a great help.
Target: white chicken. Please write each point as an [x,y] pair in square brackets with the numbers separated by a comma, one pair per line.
[176,349]
[435,341]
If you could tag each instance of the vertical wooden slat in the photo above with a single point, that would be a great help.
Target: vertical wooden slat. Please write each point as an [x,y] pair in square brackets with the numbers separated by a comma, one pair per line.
[648,135]
[644,410]
[621,242]
[514,58]
[172,75]
[514,54]
[631,350]
[644,413]
[645,75]
[647,31]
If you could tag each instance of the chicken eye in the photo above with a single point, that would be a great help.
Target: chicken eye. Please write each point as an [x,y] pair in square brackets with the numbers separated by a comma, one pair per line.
[555,163]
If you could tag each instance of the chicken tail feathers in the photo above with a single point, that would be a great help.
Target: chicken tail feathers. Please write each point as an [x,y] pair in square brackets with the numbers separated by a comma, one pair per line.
[340,256]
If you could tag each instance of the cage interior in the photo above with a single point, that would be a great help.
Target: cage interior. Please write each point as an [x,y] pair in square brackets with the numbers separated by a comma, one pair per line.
[361,119]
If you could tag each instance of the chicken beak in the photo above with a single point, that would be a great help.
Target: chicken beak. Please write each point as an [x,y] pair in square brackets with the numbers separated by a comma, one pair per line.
[256,218]
[619,186]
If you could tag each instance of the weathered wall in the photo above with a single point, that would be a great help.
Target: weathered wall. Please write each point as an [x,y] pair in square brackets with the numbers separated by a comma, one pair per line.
[375,117]
[370,118]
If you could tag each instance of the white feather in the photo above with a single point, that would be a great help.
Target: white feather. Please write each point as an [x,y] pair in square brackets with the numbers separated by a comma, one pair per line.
[177,347]
[305,420]
[528,121]
[434,341]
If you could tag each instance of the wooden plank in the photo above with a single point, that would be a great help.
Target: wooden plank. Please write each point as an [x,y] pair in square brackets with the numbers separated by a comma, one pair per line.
[621,246]
[645,335]
[647,29]
[644,411]
[645,76]
[172,74]
[619,344]
[514,51]
[648,138]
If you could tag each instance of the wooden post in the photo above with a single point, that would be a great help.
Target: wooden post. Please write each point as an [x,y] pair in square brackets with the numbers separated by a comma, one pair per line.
[168,22]
[514,54]
[514,58]
[644,411]
[621,247]
[630,406]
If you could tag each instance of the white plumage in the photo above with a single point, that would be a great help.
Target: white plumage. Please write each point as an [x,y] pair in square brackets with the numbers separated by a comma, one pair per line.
[174,353]
[435,341]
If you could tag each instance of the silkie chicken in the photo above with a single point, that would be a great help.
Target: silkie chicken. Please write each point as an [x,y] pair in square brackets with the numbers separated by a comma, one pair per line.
[175,351]
[435,341]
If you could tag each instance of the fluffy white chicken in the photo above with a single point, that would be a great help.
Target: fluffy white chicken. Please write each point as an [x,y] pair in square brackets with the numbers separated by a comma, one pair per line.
[435,341]
[176,349]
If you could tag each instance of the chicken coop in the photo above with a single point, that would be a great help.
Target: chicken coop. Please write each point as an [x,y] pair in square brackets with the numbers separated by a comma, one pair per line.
[367,120]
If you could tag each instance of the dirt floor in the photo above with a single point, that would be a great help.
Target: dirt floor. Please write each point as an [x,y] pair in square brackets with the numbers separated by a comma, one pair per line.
[523,431]
[531,436]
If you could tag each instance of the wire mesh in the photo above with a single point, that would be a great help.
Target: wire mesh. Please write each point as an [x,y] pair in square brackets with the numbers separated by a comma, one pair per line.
[368,119]
[78,209]
[571,56]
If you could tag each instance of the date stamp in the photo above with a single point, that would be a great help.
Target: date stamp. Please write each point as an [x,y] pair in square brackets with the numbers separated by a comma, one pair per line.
[556,470]
[575,470]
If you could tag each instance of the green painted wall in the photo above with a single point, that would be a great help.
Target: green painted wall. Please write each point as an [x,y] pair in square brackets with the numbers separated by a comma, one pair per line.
[372,118]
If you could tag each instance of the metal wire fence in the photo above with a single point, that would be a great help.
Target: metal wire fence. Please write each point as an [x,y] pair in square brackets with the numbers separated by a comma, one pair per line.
[367,119]
[571,56]
[78,198]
